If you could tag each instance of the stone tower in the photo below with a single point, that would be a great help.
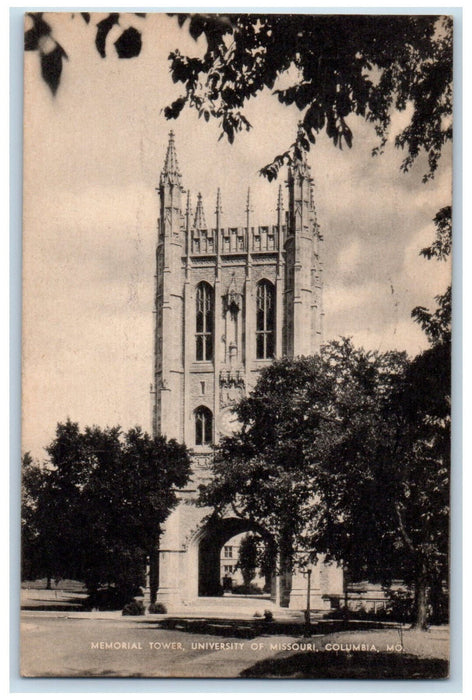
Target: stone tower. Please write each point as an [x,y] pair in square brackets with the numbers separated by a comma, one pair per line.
[229,299]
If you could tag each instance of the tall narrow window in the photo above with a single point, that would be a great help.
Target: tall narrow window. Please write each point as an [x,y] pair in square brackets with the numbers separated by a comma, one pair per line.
[204,322]
[203,426]
[265,320]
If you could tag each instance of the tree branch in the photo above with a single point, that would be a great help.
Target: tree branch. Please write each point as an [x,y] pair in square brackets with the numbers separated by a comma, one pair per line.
[401,524]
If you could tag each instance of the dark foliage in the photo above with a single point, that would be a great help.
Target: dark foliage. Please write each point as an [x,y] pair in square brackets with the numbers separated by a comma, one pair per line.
[39,30]
[51,54]
[40,37]
[248,558]
[157,609]
[111,597]
[51,66]
[336,66]
[103,29]
[95,513]
[135,607]
[128,45]
[360,665]
[347,453]
[437,324]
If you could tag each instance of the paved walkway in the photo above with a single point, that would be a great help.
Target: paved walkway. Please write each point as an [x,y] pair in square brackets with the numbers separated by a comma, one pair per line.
[230,606]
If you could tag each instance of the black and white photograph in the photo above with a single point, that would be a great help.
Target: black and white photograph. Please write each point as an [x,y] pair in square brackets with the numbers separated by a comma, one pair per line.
[236,345]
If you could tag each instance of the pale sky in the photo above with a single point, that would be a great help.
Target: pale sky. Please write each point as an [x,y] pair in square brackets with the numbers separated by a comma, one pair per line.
[93,154]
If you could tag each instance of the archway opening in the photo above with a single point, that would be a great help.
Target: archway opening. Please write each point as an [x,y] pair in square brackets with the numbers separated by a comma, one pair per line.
[225,560]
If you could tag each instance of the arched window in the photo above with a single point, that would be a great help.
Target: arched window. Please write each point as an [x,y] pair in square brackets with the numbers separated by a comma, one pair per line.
[203,426]
[204,322]
[265,320]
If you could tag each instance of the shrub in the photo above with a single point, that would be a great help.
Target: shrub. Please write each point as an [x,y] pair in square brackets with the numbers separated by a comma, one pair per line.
[399,607]
[135,607]
[157,609]
[268,615]
[109,598]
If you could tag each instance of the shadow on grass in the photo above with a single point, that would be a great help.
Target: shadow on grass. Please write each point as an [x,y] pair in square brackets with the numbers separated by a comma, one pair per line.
[221,627]
[74,604]
[248,629]
[354,665]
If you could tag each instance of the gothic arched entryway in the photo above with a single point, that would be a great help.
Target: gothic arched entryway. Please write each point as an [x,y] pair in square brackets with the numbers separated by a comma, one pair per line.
[212,537]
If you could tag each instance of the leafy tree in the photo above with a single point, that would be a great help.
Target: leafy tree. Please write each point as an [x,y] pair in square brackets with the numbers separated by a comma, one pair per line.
[384,491]
[257,553]
[295,414]
[107,494]
[29,490]
[437,324]
[38,524]
[423,499]
[335,66]
[429,392]
[248,558]
[261,472]
[346,454]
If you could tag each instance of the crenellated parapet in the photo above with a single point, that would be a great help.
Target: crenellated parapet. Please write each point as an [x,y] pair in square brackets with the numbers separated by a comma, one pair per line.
[237,239]
[204,240]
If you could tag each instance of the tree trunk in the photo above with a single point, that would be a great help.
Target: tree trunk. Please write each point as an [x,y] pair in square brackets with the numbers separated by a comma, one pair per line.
[346,595]
[285,567]
[154,572]
[421,601]
[247,578]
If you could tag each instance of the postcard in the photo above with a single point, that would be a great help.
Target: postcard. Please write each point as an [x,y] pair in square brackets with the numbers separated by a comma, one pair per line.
[236,345]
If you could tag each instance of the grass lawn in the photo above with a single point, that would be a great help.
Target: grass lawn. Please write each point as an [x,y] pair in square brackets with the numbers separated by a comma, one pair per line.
[59,644]
[363,655]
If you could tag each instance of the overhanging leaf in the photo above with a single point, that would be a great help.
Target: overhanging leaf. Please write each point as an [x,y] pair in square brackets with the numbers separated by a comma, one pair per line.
[39,29]
[128,45]
[103,29]
[51,67]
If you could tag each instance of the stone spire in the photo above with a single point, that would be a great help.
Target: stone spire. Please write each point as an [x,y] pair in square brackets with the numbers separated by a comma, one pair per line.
[280,208]
[188,211]
[248,201]
[199,221]
[280,200]
[171,173]
[218,210]
[249,208]
[300,165]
